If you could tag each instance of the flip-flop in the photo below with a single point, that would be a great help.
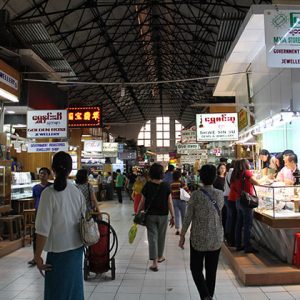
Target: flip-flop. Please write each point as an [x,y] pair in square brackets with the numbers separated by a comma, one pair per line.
[154,269]
[162,260]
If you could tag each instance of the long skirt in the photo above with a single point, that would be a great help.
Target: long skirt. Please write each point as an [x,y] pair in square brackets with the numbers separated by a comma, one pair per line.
[65,281]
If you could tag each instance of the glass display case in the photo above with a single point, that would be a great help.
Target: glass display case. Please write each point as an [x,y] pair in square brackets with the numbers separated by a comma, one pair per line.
[278,201]
[21,185]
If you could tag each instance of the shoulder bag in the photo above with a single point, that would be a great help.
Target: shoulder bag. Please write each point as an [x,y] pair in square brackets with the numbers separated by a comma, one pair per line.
[184,195]
[247,199]
[141,217]
[214,202]
[88,229]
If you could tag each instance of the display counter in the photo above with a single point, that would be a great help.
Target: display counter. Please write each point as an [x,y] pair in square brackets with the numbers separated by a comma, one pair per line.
[277,219]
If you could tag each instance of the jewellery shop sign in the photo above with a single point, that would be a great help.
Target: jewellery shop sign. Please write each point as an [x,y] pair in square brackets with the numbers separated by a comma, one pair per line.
[47,124]
[217,127]
[47,147]
[282,38]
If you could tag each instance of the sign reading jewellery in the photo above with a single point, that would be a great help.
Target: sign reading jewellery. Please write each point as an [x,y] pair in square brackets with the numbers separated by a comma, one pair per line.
[282,37]
[8,80]
[84,116]
[217,127]
[47,124]
[47,147]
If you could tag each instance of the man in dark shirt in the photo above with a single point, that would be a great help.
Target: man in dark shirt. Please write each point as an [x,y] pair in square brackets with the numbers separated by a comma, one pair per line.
[44,174]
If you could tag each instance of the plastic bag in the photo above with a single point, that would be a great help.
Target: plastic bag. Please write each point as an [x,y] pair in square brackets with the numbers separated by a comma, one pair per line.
[132,233]
[184,195]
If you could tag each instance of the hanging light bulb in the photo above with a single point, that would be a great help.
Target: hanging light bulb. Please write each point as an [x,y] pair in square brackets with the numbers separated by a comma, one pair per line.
[122,91]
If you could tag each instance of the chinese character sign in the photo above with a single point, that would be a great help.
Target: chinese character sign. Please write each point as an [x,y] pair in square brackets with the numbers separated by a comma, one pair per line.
[84,116]
[217,127]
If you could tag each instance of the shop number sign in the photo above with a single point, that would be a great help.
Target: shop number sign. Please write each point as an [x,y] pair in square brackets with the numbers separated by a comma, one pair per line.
[47,124]
[282,37]
[84,117]
[217,127]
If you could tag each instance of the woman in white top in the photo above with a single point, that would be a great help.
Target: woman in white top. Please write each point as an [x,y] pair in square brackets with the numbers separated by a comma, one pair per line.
[57,230]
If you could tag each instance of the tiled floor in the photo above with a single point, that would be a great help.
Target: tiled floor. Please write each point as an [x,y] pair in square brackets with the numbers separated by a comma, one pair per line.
[133,279]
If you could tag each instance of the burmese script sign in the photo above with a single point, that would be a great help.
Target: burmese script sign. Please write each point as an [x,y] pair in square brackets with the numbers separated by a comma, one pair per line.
[282,37]
[47,147]
[47,124]
[92,145]
[217,127]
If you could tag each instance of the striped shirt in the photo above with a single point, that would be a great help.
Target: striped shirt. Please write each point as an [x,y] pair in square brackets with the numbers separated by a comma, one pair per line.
[175,189]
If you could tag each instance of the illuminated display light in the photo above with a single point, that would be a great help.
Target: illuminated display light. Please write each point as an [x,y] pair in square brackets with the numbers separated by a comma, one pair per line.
[84,116]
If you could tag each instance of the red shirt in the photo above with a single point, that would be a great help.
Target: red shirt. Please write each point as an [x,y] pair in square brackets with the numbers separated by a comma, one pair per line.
[236,186]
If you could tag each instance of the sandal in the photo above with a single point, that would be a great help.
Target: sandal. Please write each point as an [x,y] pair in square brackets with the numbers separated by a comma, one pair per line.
[161,260]
[154,269]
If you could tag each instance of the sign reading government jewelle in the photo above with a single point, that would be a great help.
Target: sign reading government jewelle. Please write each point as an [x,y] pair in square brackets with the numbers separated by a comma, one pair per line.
[282,38]
[217,127]
[46,124]
[47,147]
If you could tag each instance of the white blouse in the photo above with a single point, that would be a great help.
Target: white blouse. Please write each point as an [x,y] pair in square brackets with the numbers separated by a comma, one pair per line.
[58,218]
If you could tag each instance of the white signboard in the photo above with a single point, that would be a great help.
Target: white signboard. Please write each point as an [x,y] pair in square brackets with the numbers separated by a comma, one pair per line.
[191,158]
[282,37]
[189,149]
[110,147]
[92,145]
[217,127]
[46,123]
[47,147]
[188,136]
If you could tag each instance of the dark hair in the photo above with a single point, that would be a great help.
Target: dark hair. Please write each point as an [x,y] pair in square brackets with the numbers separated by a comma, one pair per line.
[118,171]
[219,166]
[292,157]
[281,161]
[171,168]
[208,174]
[265,164]
[62,166]
[156,171]
[288,152]
[81,176]
[223,160]
[44,169]
[240,167]
[176,175]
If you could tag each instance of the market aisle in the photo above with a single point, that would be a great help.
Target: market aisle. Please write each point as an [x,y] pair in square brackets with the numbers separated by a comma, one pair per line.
[133,279]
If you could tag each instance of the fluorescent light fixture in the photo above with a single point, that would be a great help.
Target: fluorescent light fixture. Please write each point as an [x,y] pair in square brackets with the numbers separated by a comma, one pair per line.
[8,96]
[11,112]
[19,126]
[267,124]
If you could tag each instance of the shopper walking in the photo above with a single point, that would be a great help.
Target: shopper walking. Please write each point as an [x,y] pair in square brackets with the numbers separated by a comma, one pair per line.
[137,192]
[204,212]
[242,179]
[87,191]
[119,185]
[179,205]
[44,174]
[157,201]
[57,229]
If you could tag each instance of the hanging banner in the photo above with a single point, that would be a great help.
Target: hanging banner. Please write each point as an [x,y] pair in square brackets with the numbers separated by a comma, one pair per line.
[217,127]
[92,145]
[46,124]
[282,38]
[47,147]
